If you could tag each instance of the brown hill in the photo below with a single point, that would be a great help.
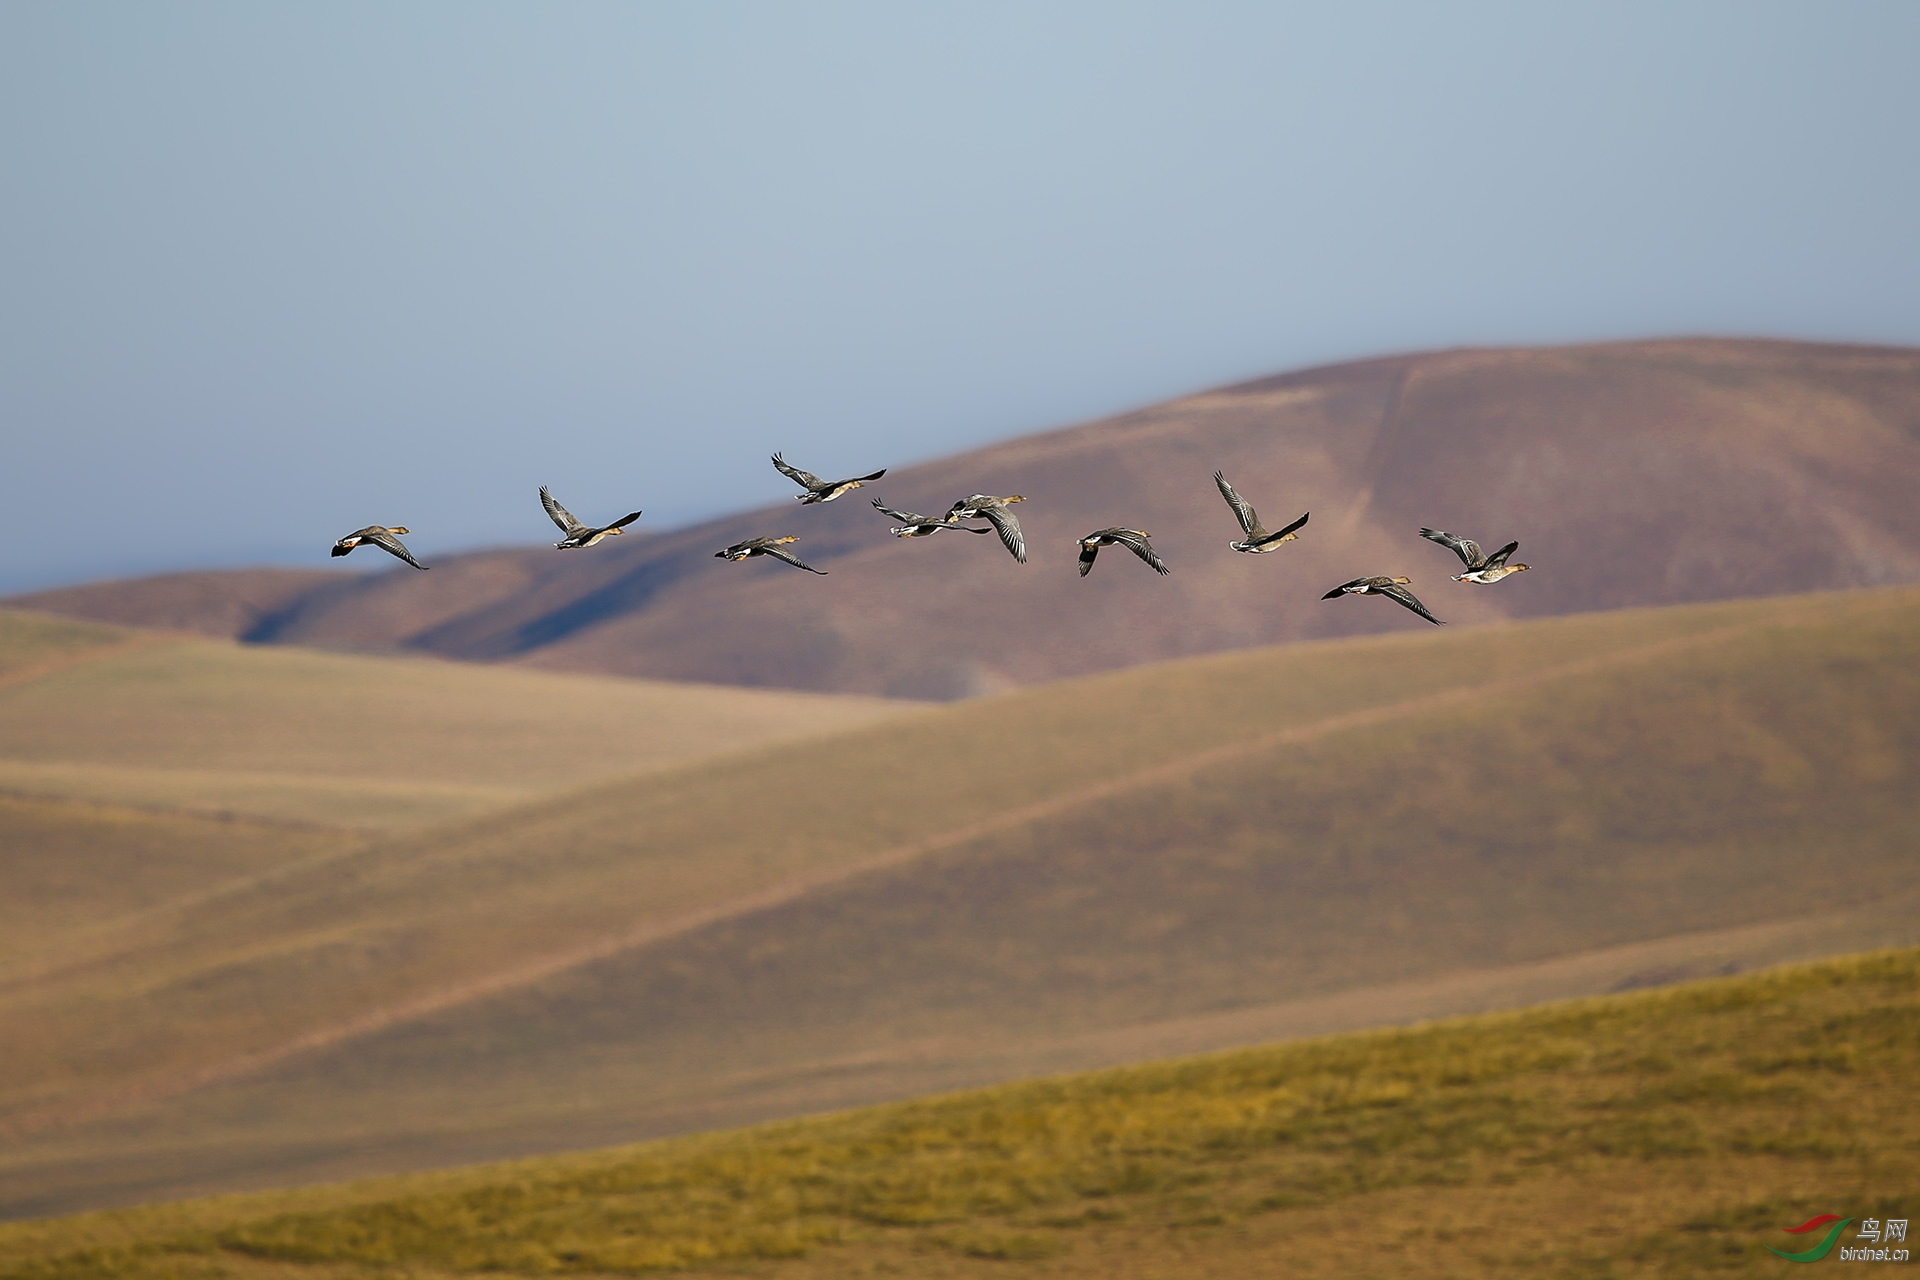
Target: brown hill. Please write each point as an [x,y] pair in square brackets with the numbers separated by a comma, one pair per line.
[1632,474]
[170,722]
[1181,856]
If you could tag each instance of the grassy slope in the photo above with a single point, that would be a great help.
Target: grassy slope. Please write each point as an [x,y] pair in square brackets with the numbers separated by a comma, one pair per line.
[75,870]
[367,743]
[1670,1133]
[1670,770]
[153,777]
[1703,789]
[416,914]
[32,643]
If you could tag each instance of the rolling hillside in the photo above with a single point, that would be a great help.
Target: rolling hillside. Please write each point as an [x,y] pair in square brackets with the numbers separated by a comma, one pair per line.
[1632,474]
[174,723]
[1182,856]
[1673,1133]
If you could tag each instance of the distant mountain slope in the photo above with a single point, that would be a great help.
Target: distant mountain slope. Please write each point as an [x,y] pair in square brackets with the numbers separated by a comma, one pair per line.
[956,896]
[229,603]
[1632,474]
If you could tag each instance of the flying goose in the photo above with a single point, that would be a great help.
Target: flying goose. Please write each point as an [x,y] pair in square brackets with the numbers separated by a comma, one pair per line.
[1483,569]
[1257,539]
[913,526]
[994,510]
[767,547]
[818,490]
[1393,589]
[381,536]
[578,535]
[1134,540]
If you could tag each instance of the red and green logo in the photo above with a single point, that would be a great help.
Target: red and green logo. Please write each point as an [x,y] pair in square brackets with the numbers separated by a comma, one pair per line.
[1820,1250]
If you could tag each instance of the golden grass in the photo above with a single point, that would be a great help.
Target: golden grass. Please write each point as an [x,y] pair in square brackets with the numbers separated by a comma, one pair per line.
[1661,772]
[413,914]
[30,640]
[78,870]
[1719,1112]
[352,741]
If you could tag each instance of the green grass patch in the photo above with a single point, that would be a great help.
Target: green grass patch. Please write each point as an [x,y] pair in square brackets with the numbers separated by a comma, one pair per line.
[1805,1070]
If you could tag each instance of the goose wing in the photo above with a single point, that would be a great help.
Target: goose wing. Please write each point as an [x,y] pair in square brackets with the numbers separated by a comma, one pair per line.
[780,553]
[1008,527]
[858,479]
[1248,517]
[1499,557]
[569,525]
[1400,595]
[1137,543]
[625,520]
[805,479]
[392,546]
[1275,537]
[1466,548]
[1343,588]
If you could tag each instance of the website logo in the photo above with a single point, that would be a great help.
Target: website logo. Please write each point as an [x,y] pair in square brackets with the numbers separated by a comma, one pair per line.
[1820,1250]
[1872,1232]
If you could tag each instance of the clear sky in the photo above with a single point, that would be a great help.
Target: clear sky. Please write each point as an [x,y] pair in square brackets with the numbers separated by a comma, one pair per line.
[269,272]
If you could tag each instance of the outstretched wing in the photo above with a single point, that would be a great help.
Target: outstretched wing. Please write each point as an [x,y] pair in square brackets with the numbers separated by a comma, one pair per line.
[390,544]
[805,479]
[1009,530]
[1089,552]
[1342,589]
[1499,557]
[1466,548]
[559,514]
[779,554]
[1403,596]
[1138,544]
[1275,537]
[904,517]
[625,520]
[1249,518]
[858,479]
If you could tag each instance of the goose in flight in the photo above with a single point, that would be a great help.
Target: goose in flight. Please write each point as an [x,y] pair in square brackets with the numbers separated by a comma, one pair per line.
[1257,538]
[984,506]
[913,526]
[578,535]
[767,547]
[818,490]
[1481,568]
[381,536]
[1394,589]
[1134,540]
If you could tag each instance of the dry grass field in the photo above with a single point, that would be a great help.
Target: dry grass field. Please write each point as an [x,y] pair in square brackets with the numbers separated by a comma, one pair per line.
[77,870]
[32,645]
[174,723]
[1196,854]
[1656,1134]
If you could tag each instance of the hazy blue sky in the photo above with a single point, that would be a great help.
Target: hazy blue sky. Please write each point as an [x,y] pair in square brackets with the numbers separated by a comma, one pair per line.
[269,272]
